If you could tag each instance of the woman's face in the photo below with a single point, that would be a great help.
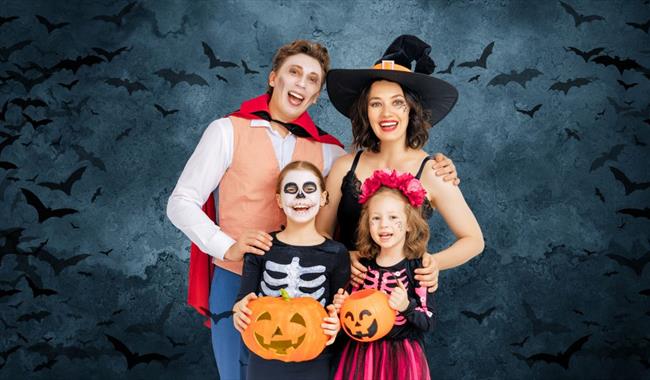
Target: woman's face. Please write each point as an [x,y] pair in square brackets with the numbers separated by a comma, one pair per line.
[388,112]
[296,86]
[300,195]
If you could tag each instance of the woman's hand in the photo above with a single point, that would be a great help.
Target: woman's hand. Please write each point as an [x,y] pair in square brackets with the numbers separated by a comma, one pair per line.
[331,324]
[428,274]
[339,298]
[444,166]
[241,313]
[398,299]
[358,271]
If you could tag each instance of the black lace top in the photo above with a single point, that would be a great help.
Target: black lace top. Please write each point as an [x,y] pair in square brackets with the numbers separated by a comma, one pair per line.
[349,210]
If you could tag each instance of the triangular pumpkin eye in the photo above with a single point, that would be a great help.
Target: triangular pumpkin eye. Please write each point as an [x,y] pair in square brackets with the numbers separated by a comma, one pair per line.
[297,318]
[264,317]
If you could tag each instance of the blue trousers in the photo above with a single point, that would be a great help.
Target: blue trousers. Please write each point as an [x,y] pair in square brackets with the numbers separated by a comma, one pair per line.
[230,352]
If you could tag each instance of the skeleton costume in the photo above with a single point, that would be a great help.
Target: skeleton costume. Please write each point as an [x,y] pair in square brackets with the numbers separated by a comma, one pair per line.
[316,271]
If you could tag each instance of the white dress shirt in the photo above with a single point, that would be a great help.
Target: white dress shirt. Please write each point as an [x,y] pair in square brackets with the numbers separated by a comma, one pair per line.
[203,172]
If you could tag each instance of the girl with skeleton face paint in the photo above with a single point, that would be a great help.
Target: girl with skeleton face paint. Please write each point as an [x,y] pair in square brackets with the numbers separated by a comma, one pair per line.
[301,261]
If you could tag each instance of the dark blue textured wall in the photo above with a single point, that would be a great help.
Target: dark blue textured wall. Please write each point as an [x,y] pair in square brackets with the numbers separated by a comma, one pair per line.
[560,194]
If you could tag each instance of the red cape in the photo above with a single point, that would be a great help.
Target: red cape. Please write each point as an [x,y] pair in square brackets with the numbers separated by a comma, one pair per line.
[201,268]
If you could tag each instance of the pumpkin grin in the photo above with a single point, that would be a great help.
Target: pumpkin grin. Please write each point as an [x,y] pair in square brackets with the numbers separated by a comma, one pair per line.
[279,346]
[372,330]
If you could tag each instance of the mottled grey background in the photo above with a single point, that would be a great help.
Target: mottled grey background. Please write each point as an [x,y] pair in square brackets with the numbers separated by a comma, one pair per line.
[549,275]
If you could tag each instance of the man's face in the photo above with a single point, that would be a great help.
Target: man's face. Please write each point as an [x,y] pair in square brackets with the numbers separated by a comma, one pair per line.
[300,195]
[296,86]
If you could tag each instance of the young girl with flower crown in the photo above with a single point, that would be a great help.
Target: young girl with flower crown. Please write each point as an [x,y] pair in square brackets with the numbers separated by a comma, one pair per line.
[302,262]
[392,238]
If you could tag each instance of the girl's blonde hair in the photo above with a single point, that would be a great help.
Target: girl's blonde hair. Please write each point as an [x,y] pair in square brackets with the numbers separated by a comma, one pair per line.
[417,234]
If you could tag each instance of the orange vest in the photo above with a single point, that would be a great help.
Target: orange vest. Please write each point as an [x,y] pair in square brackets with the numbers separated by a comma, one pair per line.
[247,189]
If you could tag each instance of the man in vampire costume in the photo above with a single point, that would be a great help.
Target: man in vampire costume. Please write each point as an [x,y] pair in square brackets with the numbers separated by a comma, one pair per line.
[241,156]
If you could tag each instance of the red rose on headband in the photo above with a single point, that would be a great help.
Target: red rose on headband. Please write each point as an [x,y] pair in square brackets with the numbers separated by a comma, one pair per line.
[408,185]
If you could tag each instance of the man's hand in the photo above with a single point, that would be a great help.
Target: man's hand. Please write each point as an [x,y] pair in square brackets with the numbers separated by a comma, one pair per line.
[428,274]
[241,313]
[444,166]
[253,241]
[358,271]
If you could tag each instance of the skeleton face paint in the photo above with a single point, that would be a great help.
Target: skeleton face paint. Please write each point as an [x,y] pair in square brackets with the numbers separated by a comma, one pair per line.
[300,195]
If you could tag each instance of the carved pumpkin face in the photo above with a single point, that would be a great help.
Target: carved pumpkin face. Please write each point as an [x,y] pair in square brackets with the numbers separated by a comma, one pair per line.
[286,329]
[366,315]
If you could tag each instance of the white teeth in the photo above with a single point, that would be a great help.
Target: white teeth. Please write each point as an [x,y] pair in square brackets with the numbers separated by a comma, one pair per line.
[296,95]
[388,124]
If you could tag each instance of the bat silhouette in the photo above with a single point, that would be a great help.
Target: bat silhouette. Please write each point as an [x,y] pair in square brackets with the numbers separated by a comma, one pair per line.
[48,364]
[58,265]
[163,111]
[482,61]
[3,111]
[134,358]
[479,317]
[116,312]
[49,25]
[8,292]
[561,358]
[106,252]
[217,317]
[84,155]
[518,77]
[36,123]
[645,292]
[600,195]
[69,85]
[118,18]
[620,64]
[124,134]
[474,78]
[578,312]
[27,83]
[530,112]
[97,193]
[448,69]
[613,154]
[9,140]
[65,186]
[629,103]
[6,52]
[6,353]
[174,343]
[84,273]
[105,323]
[28,102]
[35,316]
[6,20]
[214,61]
[32,66]
[75,64]
[156,326]
[175,78]
[644,27]
[247,70]
[109,55]
[586,55]
[520,344]
[37,291]
[571,133]
[626,86]
[222,78]
[569,84]
[610,274]
[6,165]
[540,326]
[630,186]
[69,109]
[579,18]
[131,87]
[637,265]
[44,212]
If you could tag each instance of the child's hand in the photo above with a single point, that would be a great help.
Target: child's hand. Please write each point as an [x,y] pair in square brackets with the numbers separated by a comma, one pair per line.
[331,324]
[399,299]
[339,298]
[241,313]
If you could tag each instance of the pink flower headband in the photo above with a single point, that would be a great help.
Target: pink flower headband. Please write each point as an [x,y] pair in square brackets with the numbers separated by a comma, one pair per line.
[410,186]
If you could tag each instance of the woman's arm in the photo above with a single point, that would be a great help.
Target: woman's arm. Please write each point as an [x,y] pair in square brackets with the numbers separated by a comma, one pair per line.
[326,218]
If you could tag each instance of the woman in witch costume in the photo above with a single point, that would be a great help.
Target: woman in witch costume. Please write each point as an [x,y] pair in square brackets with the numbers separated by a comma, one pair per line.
[392,109]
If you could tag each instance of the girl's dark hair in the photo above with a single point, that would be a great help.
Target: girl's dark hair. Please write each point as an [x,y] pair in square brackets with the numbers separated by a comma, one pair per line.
[417,132]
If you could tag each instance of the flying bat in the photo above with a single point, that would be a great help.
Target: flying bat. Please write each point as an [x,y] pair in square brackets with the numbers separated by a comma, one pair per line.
[479,317]
[97,193]
[75,64]
[222,78]
[48,364]
[156,326]
[37,291]
[571,133]
[217,317]
[69,85]
[247,70]
[131,87]
[474,78]
[6,52]
[630,186]
[530,112]
[163,111]
[586,55]
[175,78]
[44,212]
[28,83]
[561,358]
[620,64]
[569,84]
[644,27]
[124,134]
[617,107]
[6,165]
[109,55]
[58,265]
[520,344]
[3,111]
[49,25]
[6,20]
[448,69]
[28,102]
[600,195]
[636,212]
[35,316]
[214,61]
[626,86]
[541,326]
[134,358]
[36,123]
[519,77]
[637,265]
[118,18]
[579,18]
[482,61]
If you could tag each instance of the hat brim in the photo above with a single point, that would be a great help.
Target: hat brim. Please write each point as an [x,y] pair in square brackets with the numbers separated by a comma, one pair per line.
[345,85]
